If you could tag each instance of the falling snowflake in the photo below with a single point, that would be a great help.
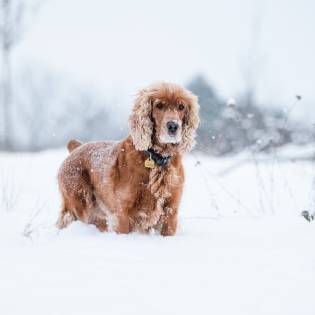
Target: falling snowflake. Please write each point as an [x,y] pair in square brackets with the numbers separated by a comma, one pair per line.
[231,102]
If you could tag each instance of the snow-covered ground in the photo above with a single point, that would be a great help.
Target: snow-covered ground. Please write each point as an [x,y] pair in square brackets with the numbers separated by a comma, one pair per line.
[242,246]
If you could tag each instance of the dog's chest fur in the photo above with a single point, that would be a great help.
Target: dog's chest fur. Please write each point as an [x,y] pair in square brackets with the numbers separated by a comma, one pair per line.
[147,193]
[152,197]
[132,187]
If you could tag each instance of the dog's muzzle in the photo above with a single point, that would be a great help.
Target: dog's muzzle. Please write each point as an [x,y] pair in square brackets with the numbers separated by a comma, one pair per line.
[172,127]
[172,132]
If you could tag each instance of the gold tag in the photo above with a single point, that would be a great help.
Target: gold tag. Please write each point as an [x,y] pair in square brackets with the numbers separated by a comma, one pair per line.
[149,163]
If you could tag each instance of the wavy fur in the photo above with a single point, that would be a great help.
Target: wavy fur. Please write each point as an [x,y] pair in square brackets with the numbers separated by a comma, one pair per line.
[141,125]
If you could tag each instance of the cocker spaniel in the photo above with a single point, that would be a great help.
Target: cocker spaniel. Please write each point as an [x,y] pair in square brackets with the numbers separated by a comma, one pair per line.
[135,184]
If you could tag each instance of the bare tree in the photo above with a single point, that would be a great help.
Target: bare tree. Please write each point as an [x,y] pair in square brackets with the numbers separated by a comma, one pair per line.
[52,110]
[13,16]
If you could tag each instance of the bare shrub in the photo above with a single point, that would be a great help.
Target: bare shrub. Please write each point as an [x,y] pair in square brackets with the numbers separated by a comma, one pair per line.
[10,193]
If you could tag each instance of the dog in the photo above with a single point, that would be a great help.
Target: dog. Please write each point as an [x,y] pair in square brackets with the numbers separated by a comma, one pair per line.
[135,184]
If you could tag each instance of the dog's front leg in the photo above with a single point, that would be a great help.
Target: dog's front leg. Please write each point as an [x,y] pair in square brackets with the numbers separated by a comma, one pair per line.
[169,220]
[122,223]
[169,225]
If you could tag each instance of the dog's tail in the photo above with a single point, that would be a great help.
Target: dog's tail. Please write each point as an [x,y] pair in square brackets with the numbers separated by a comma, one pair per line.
[73,144]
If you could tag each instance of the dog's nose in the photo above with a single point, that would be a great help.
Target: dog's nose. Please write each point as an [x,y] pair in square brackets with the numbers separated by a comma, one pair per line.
[172,127]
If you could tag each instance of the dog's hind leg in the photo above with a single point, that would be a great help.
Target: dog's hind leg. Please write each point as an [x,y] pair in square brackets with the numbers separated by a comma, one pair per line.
[75,206]
[65,217]
[99,219]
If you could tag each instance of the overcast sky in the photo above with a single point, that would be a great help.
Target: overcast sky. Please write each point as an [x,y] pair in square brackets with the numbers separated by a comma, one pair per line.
[118,46]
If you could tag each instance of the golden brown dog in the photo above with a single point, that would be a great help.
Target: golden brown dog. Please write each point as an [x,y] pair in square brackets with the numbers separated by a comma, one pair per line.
[135,184]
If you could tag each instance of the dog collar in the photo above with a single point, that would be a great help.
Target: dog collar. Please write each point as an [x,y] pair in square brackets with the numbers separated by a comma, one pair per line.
[155,158]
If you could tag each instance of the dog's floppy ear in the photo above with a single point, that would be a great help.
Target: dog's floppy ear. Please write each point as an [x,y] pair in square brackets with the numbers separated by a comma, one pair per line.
[140,124]
[190,124]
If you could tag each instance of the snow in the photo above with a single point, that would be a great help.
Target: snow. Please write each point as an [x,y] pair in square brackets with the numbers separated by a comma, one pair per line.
[242,246]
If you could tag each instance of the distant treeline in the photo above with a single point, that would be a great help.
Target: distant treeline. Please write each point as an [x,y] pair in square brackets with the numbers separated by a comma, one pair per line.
[230,127]
[46,111]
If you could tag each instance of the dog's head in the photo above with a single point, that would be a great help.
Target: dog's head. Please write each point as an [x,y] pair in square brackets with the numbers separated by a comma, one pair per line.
[164,115]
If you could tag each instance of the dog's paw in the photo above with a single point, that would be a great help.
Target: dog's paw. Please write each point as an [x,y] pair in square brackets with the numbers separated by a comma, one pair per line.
[64,220]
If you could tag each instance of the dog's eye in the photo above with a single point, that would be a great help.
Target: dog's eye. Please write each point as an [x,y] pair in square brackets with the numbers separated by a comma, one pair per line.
[160,106]
[181,107]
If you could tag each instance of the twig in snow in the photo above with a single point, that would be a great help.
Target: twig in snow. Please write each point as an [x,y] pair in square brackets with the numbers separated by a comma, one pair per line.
[309,217]
[30,228]
[10,193]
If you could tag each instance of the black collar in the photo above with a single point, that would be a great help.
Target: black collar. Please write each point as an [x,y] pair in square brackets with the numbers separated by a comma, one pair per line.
[159,159]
